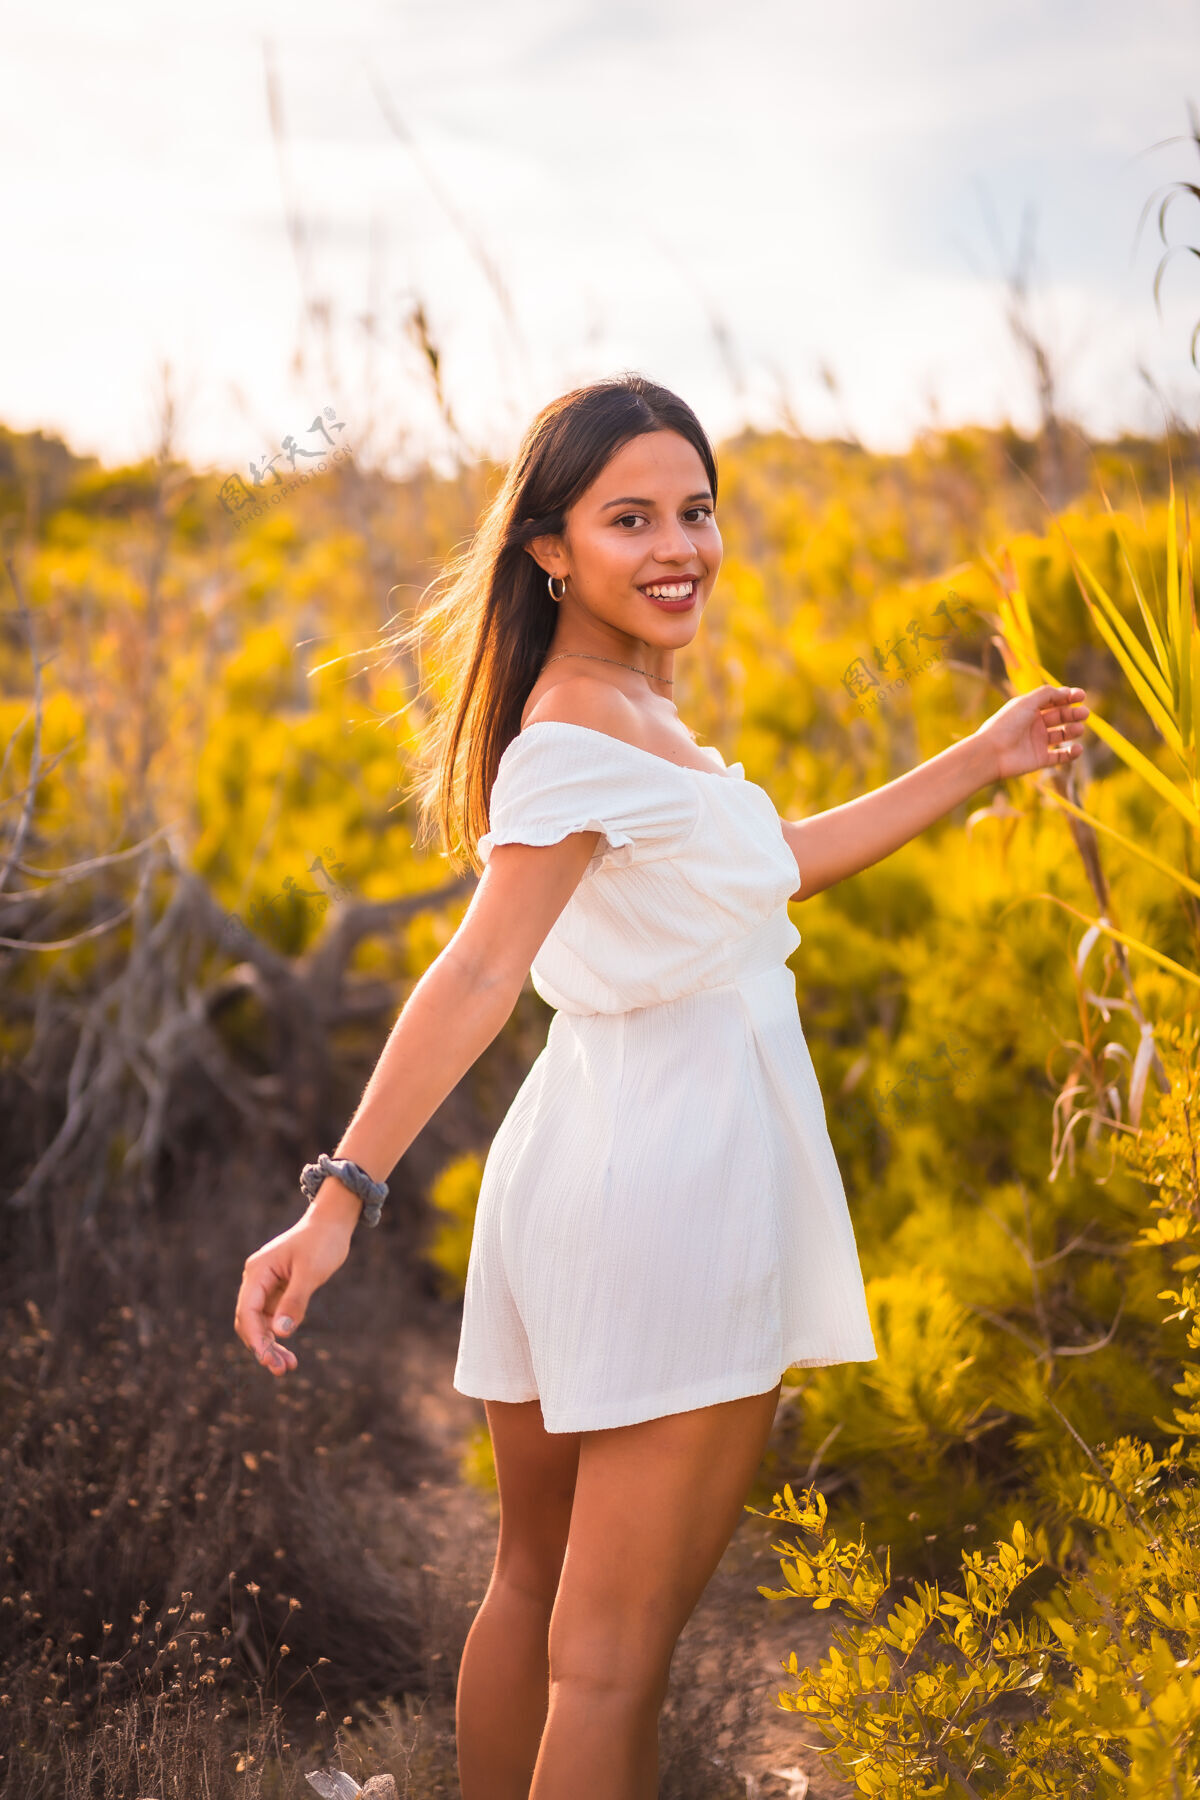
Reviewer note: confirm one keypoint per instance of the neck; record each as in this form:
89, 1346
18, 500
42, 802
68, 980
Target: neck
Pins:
636, 653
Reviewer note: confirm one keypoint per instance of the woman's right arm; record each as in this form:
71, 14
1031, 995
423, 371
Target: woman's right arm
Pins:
456, 1009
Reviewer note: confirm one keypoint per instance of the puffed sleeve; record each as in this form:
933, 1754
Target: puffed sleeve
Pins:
555, 778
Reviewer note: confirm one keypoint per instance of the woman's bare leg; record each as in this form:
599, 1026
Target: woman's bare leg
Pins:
503, 1683
655, 1507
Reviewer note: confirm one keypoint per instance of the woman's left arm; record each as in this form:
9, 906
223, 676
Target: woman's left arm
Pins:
1033, 731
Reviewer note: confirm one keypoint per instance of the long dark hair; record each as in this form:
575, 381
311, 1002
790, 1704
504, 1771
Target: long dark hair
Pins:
491, 613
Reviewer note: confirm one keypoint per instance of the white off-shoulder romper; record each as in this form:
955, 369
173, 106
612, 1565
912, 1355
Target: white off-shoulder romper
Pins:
662, 1222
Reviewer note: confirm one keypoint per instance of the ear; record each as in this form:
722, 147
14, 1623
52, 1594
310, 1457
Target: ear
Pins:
547, 552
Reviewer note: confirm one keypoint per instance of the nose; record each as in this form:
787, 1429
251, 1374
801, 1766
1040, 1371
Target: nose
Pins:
675, 545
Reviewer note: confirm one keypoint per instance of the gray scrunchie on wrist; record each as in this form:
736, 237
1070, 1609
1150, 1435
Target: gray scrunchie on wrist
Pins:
372, 1193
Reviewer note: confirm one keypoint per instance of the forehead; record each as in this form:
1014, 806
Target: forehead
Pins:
658, 463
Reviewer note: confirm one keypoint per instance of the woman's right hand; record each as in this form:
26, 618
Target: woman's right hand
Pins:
279, 1280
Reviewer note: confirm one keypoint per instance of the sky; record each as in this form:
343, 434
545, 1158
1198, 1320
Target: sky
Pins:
789, 213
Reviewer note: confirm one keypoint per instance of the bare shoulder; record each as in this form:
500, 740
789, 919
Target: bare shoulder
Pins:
587, 700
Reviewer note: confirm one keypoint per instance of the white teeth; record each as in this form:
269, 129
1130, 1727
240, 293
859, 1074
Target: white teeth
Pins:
678, 592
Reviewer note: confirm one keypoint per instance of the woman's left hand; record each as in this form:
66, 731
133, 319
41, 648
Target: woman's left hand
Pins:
1036, 731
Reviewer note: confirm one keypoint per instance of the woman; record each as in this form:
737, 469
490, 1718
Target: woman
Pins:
662, 1229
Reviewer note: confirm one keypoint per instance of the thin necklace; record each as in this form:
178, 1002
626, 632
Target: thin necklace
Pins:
667, 679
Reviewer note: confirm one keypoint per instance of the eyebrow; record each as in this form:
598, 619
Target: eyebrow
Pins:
636, 500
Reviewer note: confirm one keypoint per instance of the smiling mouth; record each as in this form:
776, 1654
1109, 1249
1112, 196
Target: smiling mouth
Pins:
671, 593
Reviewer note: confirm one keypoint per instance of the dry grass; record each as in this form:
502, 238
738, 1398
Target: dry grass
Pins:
188, 1603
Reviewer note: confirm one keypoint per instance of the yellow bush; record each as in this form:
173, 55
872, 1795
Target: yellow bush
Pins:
454, 1195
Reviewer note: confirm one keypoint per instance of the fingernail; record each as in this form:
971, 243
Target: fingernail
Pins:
284, 1324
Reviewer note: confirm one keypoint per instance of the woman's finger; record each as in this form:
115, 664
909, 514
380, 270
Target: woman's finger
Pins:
1065, 714
251, 1321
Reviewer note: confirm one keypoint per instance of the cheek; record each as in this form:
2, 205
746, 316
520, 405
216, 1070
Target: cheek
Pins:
619, 554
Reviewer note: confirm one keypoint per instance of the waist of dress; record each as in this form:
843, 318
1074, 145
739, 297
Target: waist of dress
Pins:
755, 965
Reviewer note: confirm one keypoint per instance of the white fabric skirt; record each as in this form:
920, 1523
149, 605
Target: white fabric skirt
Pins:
662, 1223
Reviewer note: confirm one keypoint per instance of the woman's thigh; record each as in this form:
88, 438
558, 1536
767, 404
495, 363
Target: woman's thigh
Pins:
655, 1506
535, 1473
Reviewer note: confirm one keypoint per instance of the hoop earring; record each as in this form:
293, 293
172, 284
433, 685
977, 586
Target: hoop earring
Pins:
550, 584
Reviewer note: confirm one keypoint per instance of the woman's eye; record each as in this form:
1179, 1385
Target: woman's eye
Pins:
625, 517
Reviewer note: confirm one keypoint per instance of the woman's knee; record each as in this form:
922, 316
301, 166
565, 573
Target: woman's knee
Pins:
629, 1689
622, 1652
528, 1573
